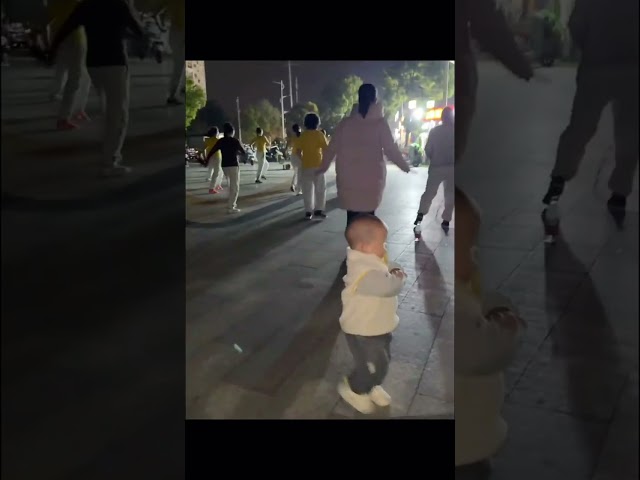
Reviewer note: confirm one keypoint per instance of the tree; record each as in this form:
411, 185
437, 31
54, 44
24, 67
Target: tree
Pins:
195, 99
264, 115
416, 80
337, 100
297, 113
212, 114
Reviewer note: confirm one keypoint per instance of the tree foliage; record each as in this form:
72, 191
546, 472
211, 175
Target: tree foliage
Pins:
416, 80
195, 99
264, 115
212, 114
297, 113
337, 100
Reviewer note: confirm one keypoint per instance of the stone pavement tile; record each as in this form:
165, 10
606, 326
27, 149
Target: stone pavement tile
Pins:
543, 444
401, 383
587, 231
425, 406
497, 264
437, 378
414, 337
561, 258
539, 323
619, 458
577, 385
315, 399
548, 291
231, 402
432, 302
511, 237
206, 368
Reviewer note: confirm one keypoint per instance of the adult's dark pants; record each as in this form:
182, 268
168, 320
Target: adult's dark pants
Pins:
596, 88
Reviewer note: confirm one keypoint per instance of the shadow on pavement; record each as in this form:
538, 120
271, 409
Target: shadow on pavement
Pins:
315, 339
585, 343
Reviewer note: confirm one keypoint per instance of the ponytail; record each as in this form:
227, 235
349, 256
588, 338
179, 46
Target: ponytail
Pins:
363, 107
366, 96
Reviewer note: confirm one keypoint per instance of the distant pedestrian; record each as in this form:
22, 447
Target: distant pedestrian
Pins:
296, 164
440, 150
107, 23
261, 143
607, 35
310, 146
230, 147
359, 145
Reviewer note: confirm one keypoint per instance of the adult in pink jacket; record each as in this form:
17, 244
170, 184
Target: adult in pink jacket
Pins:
359, 146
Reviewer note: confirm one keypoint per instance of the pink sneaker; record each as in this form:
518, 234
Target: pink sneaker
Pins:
64, 124
82, 117
213, 190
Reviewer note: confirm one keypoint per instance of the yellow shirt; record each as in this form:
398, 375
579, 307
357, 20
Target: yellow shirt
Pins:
309, 147
59, 12
261, 143
209, 143
291, 142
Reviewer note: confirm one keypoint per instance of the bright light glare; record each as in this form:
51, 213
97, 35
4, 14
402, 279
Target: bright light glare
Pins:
418, 113
425, 126
431, 103
397, 116
412, 104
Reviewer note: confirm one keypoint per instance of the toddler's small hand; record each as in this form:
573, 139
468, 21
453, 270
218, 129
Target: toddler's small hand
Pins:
506, 318
397, 272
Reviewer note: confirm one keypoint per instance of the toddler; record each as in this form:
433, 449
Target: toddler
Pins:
369, 312
487, 328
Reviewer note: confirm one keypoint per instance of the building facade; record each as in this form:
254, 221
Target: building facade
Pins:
195, 70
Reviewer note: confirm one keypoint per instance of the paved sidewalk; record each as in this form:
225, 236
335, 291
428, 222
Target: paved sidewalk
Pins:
42, 163
263, 301
572, 404
203, 207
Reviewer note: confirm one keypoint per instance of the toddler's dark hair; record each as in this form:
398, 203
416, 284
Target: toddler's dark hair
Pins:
362, 229
213, 132
258, 131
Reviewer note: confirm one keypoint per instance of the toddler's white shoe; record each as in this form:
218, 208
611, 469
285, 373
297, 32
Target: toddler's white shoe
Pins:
362, 403
380, 397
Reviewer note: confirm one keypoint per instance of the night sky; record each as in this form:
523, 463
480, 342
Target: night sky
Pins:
252, 80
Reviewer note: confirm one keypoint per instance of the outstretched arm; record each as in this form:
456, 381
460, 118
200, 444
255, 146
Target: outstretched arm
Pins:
390, 148
489, 27
331, 151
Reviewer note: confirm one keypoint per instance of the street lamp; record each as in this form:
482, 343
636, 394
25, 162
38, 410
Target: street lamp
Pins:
282, 97
418, 113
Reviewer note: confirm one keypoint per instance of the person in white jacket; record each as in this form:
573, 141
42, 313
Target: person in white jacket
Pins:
487, 329
369, 312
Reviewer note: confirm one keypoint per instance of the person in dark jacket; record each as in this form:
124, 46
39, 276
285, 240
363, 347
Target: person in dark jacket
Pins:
482, 21
606, 33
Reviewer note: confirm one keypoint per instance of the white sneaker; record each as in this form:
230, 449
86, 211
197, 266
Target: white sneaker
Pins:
380, 397
362, 403
233, 210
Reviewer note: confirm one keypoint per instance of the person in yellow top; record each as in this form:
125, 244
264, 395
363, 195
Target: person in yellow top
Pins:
309, 146
261, 142
215, 162
296, 184
175, 9
71, 82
